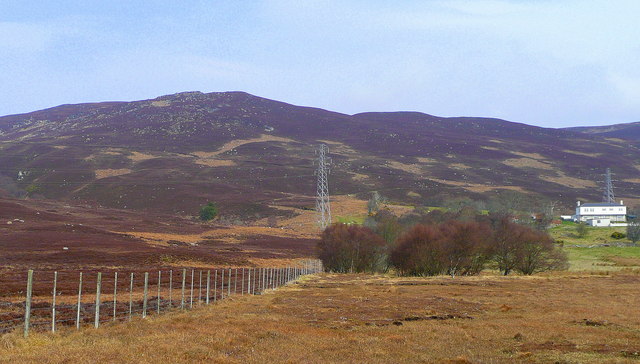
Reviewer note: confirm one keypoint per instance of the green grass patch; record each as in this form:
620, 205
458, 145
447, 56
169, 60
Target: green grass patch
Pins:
603, 258
351, 219
595, 235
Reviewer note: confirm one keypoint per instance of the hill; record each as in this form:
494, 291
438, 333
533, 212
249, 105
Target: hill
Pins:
52, 235
254, 156
628, 131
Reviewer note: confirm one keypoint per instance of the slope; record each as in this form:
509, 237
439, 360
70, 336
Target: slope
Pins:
254, 156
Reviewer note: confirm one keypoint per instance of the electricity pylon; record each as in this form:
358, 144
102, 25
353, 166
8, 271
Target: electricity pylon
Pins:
323, 206
608, 196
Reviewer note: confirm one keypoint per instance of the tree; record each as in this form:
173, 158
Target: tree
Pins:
536, 253
464, 247
454, 248
633, 232
387, 225
208, 211
525, 250
352, 248
581, 230
373, 205
504, 244
419, 252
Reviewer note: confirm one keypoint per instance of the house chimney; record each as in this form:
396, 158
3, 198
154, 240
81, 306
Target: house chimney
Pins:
578, 203
621, 202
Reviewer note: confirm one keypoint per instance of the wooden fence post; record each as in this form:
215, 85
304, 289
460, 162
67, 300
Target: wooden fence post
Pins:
255, 280
27, 303
248, 280
79, 302
98, 289
159, 285
131, 297
200, 288
191, 295
222, 286
115, 294
53, 302
144, 299
170, 287
215, 285
184, 281
242, 283
229, 284
208, 285
235, 284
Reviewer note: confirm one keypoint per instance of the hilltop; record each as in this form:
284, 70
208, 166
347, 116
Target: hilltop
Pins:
254, 156
628, 131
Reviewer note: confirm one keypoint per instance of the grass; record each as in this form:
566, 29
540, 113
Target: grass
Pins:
352, 219
595, 235
376, 319
603, 258
591, 252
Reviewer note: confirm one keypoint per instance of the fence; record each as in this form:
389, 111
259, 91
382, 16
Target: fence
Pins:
73, 298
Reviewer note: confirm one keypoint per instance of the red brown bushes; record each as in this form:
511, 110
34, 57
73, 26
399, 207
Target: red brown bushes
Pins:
453, 248
466, 248
352, 248
419, 252
528, 251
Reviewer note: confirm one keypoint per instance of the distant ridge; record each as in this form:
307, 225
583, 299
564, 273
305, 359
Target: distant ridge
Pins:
254, 156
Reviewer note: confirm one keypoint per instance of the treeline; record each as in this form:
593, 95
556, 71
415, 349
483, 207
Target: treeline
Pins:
434, 243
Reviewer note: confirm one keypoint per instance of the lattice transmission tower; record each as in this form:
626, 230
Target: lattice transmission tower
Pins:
323, 206
608, 196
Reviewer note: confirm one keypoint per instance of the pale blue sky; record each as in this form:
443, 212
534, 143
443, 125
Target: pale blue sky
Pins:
543, 62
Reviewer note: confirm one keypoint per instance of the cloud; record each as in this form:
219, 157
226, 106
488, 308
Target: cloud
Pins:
544, 62
25, 37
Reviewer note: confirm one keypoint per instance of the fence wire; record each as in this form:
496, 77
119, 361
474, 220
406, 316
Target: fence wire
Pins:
48, 300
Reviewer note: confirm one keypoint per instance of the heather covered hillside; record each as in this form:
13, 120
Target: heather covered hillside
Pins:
254, 156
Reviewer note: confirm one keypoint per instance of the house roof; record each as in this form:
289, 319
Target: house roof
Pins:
601, 204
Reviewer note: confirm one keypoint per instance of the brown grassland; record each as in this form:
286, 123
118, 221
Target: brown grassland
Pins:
561, 318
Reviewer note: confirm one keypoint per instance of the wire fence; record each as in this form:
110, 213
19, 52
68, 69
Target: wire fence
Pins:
50, 299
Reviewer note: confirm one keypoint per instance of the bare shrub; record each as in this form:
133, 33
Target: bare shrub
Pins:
453, 248
352, 248
465, 247
386, 224
419, 252
633, 231
519, 248
538, 254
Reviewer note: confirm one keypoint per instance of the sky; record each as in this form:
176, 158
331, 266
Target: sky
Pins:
551, 63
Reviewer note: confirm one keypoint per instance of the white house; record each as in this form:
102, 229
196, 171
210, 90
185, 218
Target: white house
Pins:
601, 214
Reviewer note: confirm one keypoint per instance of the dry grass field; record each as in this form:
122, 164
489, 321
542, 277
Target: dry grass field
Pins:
559, 318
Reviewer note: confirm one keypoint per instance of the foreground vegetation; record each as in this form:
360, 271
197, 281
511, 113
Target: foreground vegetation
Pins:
565, 318
453, 247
